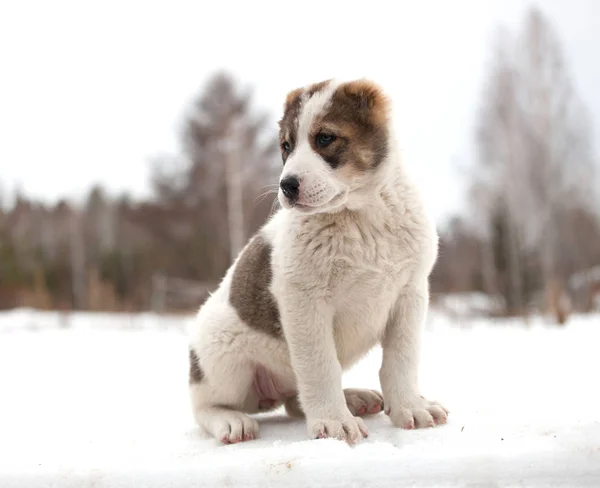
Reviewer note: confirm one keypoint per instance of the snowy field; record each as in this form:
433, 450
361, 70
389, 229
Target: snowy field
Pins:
101, 400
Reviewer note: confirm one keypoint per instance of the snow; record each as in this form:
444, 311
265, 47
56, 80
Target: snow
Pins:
104, 403
472, 304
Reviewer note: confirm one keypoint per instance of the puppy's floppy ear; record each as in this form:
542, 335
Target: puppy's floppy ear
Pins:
292, 102
292, 97
368, 100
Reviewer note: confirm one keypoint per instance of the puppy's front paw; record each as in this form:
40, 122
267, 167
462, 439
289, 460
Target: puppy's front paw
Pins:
363, 402
350, 429
418, 412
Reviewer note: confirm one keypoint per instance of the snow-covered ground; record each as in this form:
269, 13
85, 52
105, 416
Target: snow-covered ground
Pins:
104, 403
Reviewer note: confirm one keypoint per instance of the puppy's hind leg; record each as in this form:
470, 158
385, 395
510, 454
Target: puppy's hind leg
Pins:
228, 426
217, 405
293, 407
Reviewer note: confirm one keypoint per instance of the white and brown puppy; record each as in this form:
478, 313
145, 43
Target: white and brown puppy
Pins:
342, 267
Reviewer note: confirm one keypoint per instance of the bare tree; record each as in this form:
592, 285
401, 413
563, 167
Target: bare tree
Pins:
535, 160
558, 148
497, 188
100, 221
211, 191
78, 261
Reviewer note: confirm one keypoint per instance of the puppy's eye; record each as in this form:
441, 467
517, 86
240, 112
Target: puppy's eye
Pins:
286, 147
323, 140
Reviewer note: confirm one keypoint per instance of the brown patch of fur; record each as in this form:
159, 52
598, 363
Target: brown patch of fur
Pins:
288, 125
292, 98
358, 117
196, 373
310, 90
249, 293
371, 103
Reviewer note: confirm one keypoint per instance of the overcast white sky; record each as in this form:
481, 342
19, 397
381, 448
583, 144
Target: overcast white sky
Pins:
90, 91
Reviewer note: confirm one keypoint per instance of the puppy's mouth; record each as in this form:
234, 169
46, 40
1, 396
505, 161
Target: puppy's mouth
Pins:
336, 201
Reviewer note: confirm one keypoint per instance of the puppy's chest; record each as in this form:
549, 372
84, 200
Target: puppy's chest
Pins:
356, 261
363, 301
355, 279
366, 293
360, 273
346, 261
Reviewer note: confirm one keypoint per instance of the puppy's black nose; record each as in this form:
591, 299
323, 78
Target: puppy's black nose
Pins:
290, 187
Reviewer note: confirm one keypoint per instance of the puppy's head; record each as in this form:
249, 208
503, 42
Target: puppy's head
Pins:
334, 139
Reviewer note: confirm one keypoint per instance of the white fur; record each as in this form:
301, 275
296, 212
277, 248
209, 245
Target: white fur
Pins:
340, 292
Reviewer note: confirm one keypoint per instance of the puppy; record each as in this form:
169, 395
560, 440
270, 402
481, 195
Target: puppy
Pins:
341, 267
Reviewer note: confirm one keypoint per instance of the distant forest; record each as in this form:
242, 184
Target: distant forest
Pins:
532, 225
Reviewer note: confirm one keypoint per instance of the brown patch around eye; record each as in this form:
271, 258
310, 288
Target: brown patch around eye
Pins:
358, 116
288, 125
333, 151
286, 149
